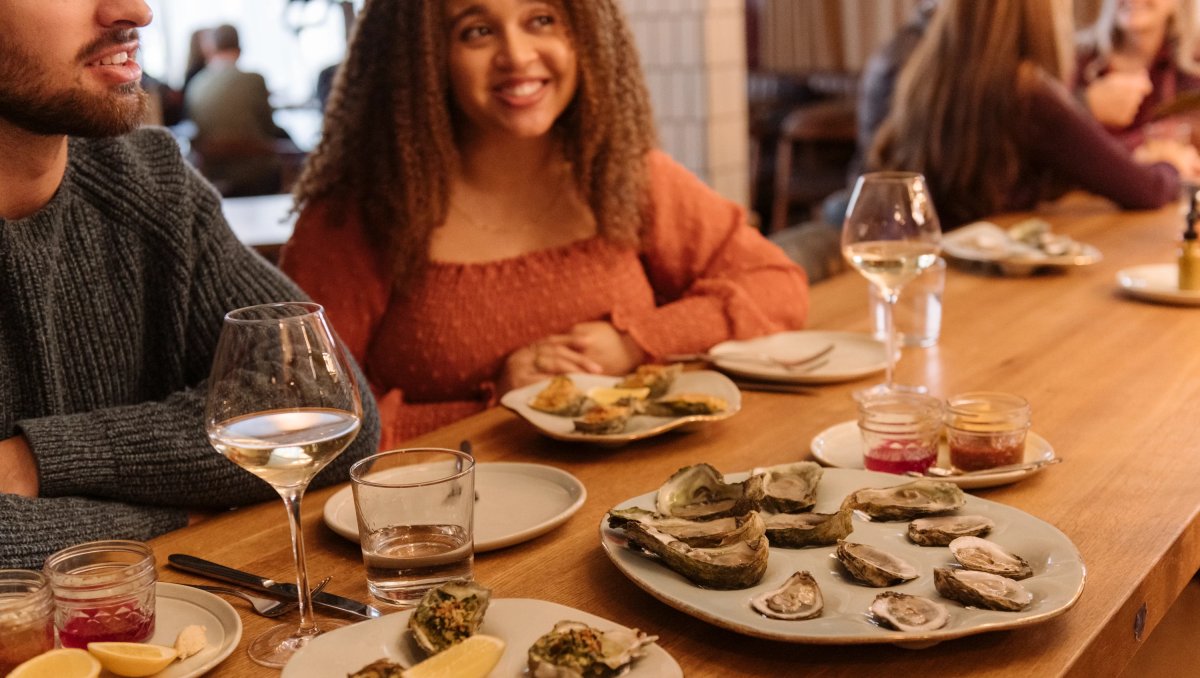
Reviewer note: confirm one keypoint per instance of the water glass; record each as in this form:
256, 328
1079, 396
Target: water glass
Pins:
103, 592
26, 617
900, 431
918, 311
416, 510
986, 429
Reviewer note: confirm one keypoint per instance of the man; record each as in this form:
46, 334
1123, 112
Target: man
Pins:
116, 268
235, 133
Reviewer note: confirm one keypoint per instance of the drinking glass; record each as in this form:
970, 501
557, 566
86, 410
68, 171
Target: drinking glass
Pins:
891, 234
282, 403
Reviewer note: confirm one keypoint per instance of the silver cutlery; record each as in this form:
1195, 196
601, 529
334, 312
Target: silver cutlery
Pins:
266, 607
939, 472
789, 364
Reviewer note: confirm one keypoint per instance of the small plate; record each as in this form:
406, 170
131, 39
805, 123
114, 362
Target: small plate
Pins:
640, 426
517, 502
986, 242
517, 621
177, 606
840, 446
1156, 282
855, 355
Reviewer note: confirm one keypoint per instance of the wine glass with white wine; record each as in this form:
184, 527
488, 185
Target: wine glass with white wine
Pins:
891, 234
282, 403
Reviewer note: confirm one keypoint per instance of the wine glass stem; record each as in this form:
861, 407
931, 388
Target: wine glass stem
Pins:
291, 501
889, 322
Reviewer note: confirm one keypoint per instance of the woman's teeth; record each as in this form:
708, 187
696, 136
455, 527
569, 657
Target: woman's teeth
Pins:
524, 89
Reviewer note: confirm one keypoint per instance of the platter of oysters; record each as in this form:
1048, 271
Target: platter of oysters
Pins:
807, 554
1025, 248
617, 410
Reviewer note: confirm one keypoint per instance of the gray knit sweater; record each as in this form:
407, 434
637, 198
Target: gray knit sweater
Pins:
111, 300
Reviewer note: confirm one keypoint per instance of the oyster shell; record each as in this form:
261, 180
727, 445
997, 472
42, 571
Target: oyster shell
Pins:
657, 378
700, 492
982, 555
981, 589
907, 613
791, 488
734, 566
798, 598
905, 502
561, 396
941, 530
604, 419
872, 566
448, 614
795, 530
575, 650
685, 405
704, 534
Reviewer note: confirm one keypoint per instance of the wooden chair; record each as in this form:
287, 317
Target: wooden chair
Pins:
815, 147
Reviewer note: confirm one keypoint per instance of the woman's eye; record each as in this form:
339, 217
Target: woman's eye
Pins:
473, 32
544, 20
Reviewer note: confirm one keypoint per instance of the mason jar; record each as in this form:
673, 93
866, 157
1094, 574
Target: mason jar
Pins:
103, 592
26, 617
985, 429
900, 432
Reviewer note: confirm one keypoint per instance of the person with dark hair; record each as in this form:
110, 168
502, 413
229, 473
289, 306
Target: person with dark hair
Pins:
116, 269
489, 174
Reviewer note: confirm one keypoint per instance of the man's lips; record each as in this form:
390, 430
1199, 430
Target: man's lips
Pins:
115, 55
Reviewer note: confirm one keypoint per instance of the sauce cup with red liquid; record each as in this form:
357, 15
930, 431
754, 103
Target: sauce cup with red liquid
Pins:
900, 432
985, 429
26, 617
103, 592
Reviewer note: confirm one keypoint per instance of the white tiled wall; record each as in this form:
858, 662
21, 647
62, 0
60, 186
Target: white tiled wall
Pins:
694, 56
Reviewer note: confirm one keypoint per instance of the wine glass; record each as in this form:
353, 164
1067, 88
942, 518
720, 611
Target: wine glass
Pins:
891, 234
282, 403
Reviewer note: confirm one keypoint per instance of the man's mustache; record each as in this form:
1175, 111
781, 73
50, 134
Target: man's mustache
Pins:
115, 36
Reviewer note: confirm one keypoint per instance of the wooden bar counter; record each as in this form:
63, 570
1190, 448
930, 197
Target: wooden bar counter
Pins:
1115, 387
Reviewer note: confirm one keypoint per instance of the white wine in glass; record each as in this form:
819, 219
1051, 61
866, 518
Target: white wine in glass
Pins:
282, 403
891, 234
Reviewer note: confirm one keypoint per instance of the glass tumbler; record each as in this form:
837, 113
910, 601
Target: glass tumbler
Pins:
26, 617
900, 431
103, 591
985, 429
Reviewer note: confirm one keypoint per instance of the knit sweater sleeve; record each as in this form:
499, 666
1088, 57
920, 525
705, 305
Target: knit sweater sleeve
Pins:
715, 278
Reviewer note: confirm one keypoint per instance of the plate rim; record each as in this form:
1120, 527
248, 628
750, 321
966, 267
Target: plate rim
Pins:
220, 609
1127, 278
951, 247
811, 377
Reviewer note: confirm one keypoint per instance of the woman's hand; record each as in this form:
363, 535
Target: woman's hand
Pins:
614, 351
543, 359
1182, 156
1114, 99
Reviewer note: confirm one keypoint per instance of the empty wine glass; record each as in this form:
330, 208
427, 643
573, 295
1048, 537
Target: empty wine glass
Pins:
891, 234
282, 403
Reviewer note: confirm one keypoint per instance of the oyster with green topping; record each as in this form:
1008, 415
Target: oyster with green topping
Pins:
561, 397
575, 650
448, 614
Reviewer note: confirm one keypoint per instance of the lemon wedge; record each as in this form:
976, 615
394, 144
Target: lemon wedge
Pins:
133, 660
475, 657
604, 395
64, 663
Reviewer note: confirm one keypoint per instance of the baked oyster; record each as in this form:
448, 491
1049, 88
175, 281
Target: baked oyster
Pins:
575, 650
791, 488
905, 502
797, 530
381, 668
908, 613
700, 492
872, 566
604, 419
981, 589
699, 533
657, 378
686, 405
798, 598
974, 553
448, 614
733, 566
561, 397
941, 530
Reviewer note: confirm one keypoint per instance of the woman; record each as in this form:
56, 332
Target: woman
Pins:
1139, 55
487, 208
981, 110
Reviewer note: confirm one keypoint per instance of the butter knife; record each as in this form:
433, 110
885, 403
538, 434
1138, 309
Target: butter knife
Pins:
207, 568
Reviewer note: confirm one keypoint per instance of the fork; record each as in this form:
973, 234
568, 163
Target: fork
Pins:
267, 607
788, 364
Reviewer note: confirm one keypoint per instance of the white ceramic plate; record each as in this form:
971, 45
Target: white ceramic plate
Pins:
1056, 584
177, 606
640, 426
840, 446
517, 621
986, 242
1156, 282
854, 355
517, 502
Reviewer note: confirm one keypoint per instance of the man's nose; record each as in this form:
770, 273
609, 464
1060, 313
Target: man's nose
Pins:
123, 13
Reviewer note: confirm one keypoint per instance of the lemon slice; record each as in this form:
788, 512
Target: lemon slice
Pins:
64, 663
604, 395
133, 659
475, 657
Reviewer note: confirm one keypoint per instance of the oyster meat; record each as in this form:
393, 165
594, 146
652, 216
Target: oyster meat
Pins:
448, 614
734, 566
907, 613
941, 530
685, 405
575, 650
798, 598
561, 396
905, 502
873, 566
974, 553
604, 419
657, 378
701, 533
791, 488
700, 492
796, 530
981, 589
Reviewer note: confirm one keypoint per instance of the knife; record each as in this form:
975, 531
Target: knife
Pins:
255, 582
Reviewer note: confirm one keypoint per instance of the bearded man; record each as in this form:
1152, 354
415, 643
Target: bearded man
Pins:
116, 269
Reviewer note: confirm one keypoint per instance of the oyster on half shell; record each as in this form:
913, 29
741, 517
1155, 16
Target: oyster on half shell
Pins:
798, 598
790, 488
905, 502
448, 614
872, 566
575, 650
734, 566
981, 589
700, 492
941, 530
908, 613
699, 533
796, 530
982, 555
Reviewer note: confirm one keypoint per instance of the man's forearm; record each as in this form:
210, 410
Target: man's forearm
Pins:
18, 468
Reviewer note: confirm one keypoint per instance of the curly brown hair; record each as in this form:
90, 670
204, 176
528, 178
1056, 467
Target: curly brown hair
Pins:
389, 139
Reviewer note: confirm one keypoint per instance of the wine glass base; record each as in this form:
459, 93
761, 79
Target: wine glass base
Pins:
277, 644
884, 389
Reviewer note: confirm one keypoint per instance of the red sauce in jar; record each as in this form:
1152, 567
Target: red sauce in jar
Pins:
973, 453
900, 456
116, 624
